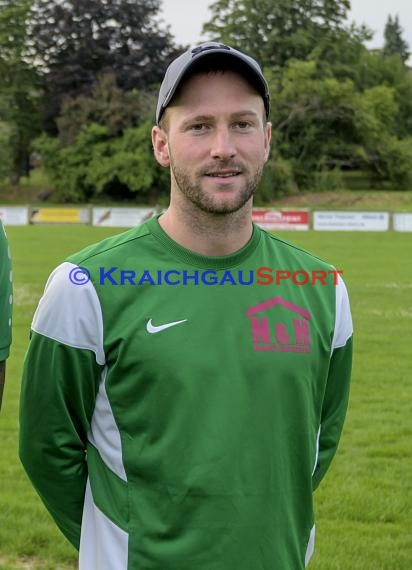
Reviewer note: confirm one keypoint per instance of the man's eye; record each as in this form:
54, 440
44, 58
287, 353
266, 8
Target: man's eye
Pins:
198, 127
242, 125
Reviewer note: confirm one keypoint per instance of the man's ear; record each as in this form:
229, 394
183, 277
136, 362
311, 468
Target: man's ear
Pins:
160, 146
268, 136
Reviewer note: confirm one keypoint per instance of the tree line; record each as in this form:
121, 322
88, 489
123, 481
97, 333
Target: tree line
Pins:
79, 81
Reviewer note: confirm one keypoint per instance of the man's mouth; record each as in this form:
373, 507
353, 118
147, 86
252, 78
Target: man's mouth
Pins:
223, 173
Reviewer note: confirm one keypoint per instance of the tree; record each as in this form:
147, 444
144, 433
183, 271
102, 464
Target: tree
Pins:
338, 51
375, 69
19, 86
75, 41
313, 120
97, 163
387, 156
107, 105
322, 125
5, 149
274, 31
394, 42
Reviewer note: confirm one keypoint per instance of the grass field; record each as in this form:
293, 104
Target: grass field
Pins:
364, 506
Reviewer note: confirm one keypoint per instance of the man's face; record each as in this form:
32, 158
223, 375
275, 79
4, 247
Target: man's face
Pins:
216, 143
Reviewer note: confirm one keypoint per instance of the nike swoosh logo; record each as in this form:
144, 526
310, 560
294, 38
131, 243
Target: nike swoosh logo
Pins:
152, 329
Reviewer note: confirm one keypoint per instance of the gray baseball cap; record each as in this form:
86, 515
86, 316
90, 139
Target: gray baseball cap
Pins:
220, 54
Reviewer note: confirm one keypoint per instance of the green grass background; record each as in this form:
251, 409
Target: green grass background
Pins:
364, 505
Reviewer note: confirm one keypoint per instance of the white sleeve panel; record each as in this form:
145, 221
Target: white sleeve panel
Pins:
343, 319
70, 314
104, 433
103, 545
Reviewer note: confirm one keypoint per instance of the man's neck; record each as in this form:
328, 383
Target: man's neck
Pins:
208, 234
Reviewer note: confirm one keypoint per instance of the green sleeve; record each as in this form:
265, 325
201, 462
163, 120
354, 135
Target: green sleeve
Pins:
59, 389
334, 408
5, 296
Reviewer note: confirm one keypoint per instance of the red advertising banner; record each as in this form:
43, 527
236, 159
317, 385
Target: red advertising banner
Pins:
281, 219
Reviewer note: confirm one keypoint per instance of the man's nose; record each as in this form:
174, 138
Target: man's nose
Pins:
223, 144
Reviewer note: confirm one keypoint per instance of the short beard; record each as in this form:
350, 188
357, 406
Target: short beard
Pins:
206, 203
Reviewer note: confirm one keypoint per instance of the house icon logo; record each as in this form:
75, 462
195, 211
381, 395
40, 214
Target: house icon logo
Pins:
272, 335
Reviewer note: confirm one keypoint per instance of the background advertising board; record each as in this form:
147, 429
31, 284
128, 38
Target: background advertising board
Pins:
281, 219
14, 215
60, 216
121, 217
351, 221
402, 222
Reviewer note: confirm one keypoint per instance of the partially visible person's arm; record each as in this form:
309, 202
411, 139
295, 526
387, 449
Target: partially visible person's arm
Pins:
336, 397
5, 306
61, 375
2, 379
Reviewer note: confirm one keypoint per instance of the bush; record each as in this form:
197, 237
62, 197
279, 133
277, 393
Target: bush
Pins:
325, 180
98, 163
277, 180
396, 162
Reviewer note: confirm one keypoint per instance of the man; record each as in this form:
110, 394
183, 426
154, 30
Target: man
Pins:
177, 414
6, 300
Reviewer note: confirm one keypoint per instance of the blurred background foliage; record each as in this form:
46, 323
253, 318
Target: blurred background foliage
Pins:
79, 80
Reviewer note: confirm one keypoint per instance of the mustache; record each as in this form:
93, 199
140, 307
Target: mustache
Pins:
222, 166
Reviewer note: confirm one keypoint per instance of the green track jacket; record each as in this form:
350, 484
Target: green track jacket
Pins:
178, 410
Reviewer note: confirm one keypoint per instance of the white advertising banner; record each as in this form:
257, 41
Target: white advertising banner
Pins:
14, 215
402, 222
121, 217
351, 221
281, 219
60, 215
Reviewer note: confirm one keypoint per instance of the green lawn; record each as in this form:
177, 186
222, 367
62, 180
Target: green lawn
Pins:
364, 506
